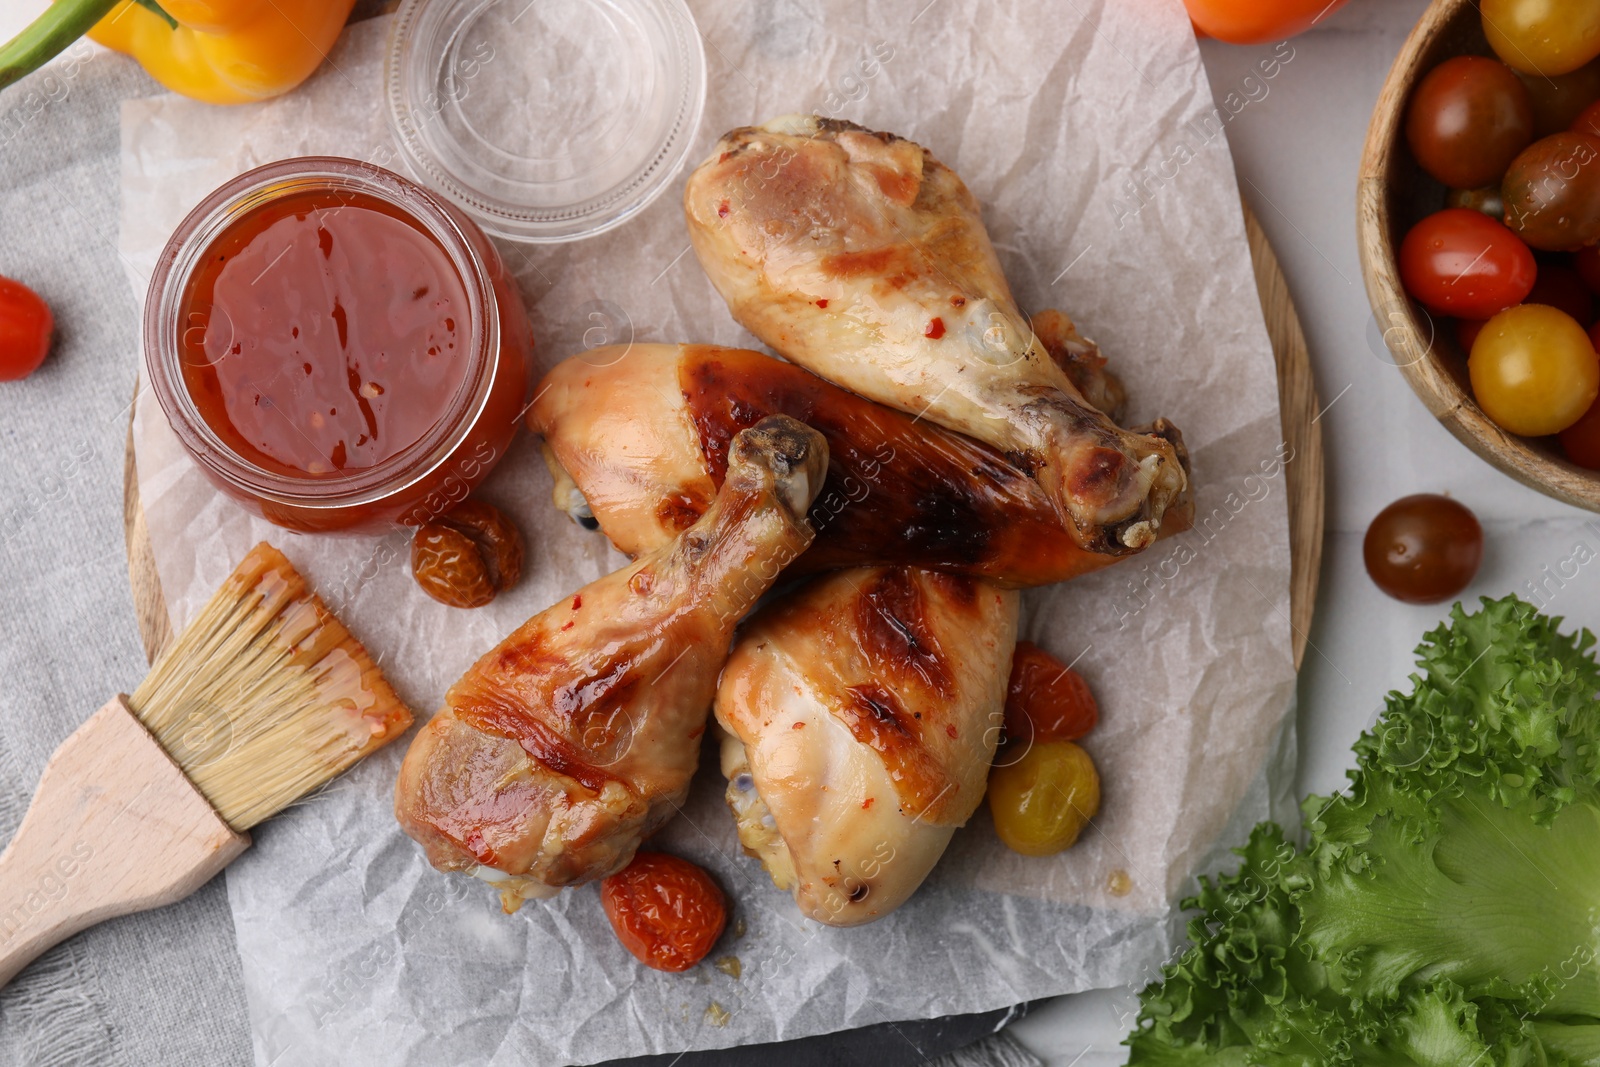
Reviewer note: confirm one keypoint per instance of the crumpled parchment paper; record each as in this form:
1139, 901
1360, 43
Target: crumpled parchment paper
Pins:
1086, 131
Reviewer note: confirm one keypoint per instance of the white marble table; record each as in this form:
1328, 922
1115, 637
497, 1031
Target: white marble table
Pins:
1297, 150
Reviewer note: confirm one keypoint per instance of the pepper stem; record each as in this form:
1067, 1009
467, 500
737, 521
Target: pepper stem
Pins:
48, 35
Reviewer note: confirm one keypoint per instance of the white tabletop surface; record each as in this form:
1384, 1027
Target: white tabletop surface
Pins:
1297, 149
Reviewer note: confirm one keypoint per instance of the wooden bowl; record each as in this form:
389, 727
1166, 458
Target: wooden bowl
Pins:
1394, 195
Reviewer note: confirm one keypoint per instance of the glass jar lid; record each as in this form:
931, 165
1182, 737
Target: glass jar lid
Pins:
546, 120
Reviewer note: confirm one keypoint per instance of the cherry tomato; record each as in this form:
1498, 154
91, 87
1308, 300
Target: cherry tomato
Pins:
1560, 287
25, 328
1257, 21
1458, 262
1423, 549
1558, 101
1042, 801
1533, 370
665, 910
1047, 700
1581, 440
1589, 121
1467, 331
1546, 37
1552, 192
1486, 201
1468, 119
1587, 263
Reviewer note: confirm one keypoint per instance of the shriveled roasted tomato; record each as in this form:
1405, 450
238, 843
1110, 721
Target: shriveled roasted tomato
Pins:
1424, 548
1559, 101
1042, 802
1560, 287
1552, 192
1258, 21
468, 555
1468, 119
1546, 37
1581, 440
665, 910
25, 328
1047, 700
1458, 262
1534, 370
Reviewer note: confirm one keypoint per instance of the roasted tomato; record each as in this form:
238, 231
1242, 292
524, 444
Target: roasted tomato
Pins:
25, 328
1552, 192
465, 557
1258, 21
1424, 548
665, 910
1468, 119
1042, 801
1547, 37
1581, 440
1459, 262
1534, 370
1047, 700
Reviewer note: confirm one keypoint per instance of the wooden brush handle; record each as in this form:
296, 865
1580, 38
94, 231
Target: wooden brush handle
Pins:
115, 827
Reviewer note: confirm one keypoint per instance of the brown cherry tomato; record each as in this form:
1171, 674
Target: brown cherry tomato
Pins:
1046, 700
1459, 262
1552, 192
665, 910
465, 557
1561, 287
1423, 549
25, 328
1558, 101
1468, 119
1581, 440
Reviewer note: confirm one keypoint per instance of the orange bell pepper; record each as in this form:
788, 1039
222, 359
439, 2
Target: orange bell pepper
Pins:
219, 51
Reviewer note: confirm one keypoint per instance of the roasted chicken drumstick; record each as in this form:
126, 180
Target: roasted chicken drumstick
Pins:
637, 438
563, 747
860, 716
861, 257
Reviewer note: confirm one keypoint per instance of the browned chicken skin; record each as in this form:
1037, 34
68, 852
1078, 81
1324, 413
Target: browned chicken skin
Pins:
861, 257
861, 715
568, 743
638, 439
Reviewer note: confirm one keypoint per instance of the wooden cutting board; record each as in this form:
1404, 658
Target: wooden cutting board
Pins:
1298, 410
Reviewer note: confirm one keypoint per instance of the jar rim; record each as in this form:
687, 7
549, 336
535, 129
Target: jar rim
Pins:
165, 301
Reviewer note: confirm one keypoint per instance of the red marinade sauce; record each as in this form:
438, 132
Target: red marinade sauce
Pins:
325, 332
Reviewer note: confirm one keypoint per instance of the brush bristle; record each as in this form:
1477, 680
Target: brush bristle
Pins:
265, 695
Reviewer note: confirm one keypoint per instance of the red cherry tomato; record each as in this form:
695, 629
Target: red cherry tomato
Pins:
1468, 119
1561, 288
1459, 262
1258, 21
25, 328
1423, 549
1047, 700
665, 910
1587, 263
1581, 440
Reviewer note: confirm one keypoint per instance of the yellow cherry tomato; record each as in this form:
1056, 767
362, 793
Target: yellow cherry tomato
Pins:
1546, 37
1533, 370
1042, 802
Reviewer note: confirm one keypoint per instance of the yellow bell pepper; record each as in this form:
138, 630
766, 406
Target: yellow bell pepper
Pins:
219, 51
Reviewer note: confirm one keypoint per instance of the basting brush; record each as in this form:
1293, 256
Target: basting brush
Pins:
264, 697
